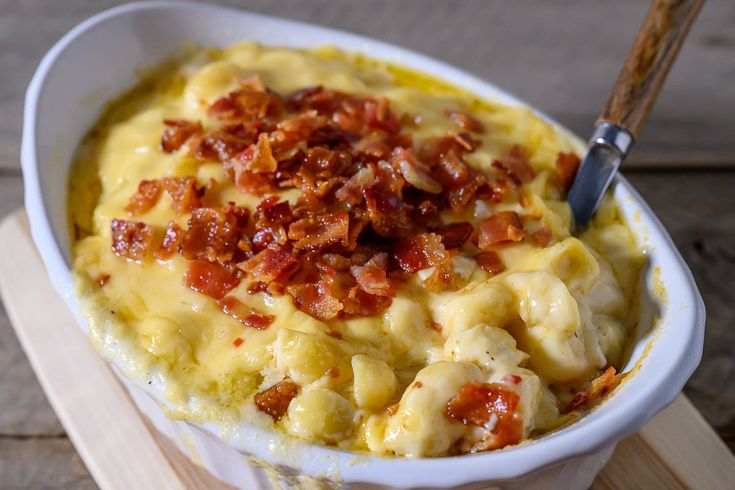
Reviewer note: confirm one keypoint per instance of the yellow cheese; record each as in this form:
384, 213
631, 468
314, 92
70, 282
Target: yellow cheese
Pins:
556, 315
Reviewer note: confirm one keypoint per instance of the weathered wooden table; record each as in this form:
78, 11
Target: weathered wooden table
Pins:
560, 57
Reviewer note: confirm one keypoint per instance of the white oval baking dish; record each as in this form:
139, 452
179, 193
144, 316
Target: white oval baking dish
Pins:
98, 59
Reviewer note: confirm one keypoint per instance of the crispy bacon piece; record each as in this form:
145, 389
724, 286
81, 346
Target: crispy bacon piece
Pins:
567, 165
421, 252
238, 342
361, 303
275, 400
258, 158
501, 227
491, 406
515, 166
599, 387
171, 239
271, 219
245, 314
465, 121
176, 133
247, 104
542, 236
131, 239
455, 235
270, 264
209, 278
184, 193
224, 143
351, 190
316, 233
303, 125
213, 234
415, 172
389, 216
102, 279
373, 280
145, 198
316, 300
490, 261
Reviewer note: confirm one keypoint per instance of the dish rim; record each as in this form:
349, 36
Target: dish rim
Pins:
571, 442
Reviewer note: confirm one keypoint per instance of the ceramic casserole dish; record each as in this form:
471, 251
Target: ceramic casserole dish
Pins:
99, 59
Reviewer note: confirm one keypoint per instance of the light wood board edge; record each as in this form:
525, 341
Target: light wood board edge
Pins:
677, 449
116, 442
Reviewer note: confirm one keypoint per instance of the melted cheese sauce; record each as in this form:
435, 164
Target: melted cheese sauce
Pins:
555, 317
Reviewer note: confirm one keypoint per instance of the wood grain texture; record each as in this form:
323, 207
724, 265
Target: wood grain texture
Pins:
561, 57
648, 63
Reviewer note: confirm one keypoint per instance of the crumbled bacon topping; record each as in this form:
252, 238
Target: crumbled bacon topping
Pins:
131, 239
465, 121
491, 406
171, 240
542, 236
567, 165
245, 314
501, 227
176, 133
145, 198
599, 387
373, 208
275, 400
515, 165
210, 278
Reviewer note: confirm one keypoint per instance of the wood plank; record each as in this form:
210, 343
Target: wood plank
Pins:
118, 459
560, 57
37, 463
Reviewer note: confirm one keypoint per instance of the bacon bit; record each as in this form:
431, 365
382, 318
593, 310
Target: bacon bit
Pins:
388, 214
316, 300
418, 384
176, 133
275, 400
515, 166
245, 314
361, 303
488, 405
238, 342
465, 121
184, 193
335, 334
436, 326
451, 170
501, 227
513, 379
351, 190
490, 261
260, 156
392, 409
145, 198
567, 165
303, 125
415, 172
599, 387
253, 82
131, 239
325, 230
224, 143
542, 236
171, 240
102, 279
209, 278
246, 105
270, 264
373, 280
455, 235
333, 372
421, 252
213, 234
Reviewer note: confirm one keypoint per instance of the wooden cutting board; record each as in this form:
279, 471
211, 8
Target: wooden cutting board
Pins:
677, 449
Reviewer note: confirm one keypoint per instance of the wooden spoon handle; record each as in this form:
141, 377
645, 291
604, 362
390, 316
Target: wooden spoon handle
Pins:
649, 60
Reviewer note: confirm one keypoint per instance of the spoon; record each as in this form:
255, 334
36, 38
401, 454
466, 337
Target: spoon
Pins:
663, 31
